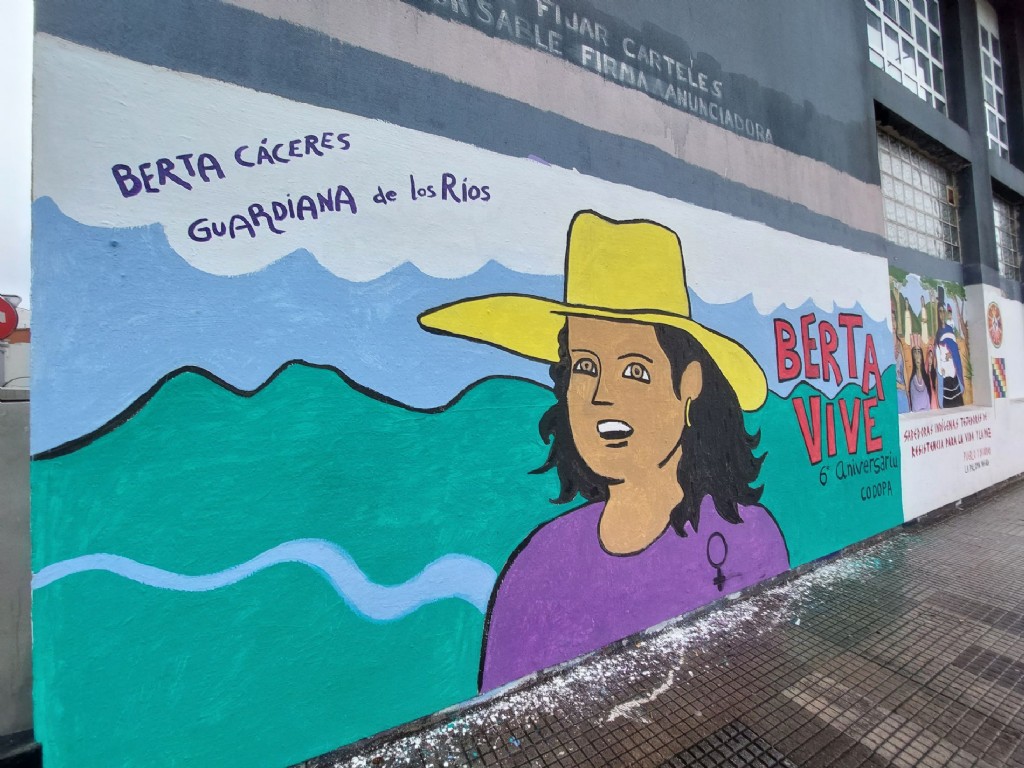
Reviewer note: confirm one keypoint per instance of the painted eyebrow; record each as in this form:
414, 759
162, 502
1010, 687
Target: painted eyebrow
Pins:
589, 352
636, 354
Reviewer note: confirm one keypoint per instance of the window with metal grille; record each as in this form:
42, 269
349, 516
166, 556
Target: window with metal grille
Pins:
1007, 216
992, 79
920, 199
905, 40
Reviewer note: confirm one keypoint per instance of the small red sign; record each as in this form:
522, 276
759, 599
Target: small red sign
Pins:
8, 318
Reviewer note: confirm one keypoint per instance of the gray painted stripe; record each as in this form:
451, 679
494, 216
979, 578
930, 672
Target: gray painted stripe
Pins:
920, 263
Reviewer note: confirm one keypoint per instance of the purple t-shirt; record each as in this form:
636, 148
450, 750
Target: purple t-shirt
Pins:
563, 595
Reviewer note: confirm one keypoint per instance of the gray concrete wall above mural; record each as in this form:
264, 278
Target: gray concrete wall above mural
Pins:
686, 53
684, 123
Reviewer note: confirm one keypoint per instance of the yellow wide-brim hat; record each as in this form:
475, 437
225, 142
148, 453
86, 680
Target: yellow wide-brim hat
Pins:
620, 270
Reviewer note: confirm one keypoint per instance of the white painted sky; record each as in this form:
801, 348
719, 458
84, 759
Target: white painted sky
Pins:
110, 102
16, 140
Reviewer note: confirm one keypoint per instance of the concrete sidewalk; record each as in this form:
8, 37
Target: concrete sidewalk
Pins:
908, 652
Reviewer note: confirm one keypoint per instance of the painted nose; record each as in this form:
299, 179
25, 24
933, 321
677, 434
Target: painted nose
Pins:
601, 394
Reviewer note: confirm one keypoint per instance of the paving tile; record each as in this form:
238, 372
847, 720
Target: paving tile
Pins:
910, 654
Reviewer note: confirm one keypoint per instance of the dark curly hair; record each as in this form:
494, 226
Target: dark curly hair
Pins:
717, 451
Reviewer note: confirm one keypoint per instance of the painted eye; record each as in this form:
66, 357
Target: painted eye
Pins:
638, 372
586, 366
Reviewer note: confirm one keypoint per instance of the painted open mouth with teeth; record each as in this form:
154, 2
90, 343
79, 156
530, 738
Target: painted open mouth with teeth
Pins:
611, 429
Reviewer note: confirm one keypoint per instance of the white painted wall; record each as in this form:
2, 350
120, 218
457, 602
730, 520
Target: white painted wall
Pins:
16, 366
14, 358
947, 455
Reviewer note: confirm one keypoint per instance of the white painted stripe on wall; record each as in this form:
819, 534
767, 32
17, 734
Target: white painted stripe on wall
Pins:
109, 100
466, 55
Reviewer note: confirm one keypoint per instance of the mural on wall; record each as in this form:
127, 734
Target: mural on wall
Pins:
355, 363
647, 425
931, 345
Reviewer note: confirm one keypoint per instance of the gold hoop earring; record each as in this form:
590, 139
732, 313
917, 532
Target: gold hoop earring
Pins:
687, 413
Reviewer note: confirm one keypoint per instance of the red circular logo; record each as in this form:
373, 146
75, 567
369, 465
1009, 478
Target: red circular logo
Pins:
8, 318
995, 324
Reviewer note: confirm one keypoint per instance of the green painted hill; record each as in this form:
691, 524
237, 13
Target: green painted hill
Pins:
276, 668
202, 479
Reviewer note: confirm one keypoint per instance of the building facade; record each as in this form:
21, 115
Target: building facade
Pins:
445, 341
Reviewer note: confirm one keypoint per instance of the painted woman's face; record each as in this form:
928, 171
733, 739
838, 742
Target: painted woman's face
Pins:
625, 416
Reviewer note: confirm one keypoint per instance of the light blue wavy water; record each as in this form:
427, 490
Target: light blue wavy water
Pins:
450, 576
240, 328
336, 322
